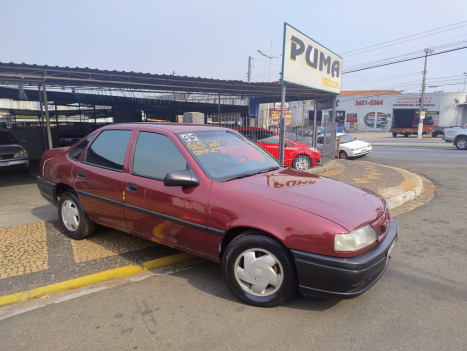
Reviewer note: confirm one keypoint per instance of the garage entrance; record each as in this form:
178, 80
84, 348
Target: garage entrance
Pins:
403, 117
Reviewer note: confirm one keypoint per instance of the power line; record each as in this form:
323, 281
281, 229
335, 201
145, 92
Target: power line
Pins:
409, 59
275, 64
421, 45
413, 35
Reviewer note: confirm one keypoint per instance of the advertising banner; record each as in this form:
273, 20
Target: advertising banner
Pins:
275, 116
307, 63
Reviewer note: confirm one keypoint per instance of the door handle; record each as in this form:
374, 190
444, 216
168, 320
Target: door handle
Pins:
81, 175
131, 187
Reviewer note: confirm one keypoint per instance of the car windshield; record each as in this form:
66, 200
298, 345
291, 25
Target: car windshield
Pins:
7, 138
225, 155
345, 138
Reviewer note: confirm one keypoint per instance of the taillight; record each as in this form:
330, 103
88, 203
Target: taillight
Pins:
444, 133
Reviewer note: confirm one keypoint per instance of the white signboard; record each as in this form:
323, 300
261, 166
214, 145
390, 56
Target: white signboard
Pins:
309, 64
422, 115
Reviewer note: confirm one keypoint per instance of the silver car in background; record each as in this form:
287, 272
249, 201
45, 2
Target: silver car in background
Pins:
12, 154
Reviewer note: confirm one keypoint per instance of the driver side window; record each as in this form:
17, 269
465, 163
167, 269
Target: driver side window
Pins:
156, 155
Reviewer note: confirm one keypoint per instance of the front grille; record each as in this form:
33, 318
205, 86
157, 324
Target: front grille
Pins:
6, 156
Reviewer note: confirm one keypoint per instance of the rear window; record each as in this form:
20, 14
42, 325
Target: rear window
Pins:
75, 154
108, 149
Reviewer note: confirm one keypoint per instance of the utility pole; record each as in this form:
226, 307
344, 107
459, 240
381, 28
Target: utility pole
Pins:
465, 76
420, 119
249, 69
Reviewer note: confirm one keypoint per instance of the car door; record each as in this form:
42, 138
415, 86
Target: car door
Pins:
269, 141
99, 176
176, 214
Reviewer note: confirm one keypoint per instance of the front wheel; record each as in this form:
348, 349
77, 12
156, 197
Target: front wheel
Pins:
343, 155
75, 221
259, 271
461, 143
301, 162
394, 135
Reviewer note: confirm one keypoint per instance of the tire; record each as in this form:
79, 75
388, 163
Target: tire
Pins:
277, 267
461, 143
302, 162
394, 135
343, 155
406, 135
434, 135
76, 222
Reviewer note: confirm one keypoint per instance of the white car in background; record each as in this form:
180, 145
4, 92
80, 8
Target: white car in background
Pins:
351, 147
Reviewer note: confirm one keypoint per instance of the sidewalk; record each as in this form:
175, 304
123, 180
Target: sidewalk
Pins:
36, 259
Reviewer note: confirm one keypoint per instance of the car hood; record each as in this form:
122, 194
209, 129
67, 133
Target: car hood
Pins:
10, 149
349, 206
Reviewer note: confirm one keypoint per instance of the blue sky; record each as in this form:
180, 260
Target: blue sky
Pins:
207, 38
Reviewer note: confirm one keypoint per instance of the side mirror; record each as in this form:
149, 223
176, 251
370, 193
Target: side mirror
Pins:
355, 138
183, 178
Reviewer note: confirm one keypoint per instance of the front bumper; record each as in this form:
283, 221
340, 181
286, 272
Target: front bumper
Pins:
14, 164
343, 278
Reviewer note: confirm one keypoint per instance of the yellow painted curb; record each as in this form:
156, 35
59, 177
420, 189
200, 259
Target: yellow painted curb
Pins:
165, 261
93, 278
69, 284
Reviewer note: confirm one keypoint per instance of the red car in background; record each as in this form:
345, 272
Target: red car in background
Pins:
296, 154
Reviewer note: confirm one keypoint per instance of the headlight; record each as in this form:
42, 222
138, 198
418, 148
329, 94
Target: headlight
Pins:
21, 153
355, 240
313, 149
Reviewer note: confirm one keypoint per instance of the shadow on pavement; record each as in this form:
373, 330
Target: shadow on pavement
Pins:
208, 278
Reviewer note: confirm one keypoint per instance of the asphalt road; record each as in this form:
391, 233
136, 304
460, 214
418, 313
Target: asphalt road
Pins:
424, 155
419, 304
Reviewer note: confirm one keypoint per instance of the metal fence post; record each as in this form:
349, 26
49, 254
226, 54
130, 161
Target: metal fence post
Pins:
282, 126
315, 127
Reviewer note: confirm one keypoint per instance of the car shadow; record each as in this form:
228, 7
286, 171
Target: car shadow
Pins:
45, 212
208, 278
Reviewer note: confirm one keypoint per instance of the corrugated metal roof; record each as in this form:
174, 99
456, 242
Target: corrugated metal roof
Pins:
12, 73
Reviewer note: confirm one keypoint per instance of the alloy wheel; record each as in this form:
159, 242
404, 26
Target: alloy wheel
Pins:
302, 163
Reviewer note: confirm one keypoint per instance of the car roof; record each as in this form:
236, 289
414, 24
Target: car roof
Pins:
174, 127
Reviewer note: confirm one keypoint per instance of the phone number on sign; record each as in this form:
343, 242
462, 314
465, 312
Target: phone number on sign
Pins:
368, 102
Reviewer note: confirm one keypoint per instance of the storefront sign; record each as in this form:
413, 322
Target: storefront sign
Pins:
309, 64
413, 102
351, 117
368, 102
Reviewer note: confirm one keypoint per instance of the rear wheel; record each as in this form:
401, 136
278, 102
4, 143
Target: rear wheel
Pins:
394, 135
259, 271
461, 143
343, 155
301, 162
75, 221
406, 135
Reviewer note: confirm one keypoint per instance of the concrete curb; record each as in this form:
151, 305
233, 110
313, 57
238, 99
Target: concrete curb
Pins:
410, 189
321, 169
93, 279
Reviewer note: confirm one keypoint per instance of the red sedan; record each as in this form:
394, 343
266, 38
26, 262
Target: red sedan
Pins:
296, 154
214, 193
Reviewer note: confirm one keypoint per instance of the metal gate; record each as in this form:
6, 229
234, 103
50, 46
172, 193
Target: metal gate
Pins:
328, 152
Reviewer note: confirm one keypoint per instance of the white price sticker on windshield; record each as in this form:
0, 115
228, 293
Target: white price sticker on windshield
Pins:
189, 137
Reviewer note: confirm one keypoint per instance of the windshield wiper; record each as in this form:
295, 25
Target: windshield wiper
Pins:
238, 176
268, 170
244, 175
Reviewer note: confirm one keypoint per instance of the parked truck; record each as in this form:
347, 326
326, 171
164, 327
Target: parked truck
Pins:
458, 136
408, 127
